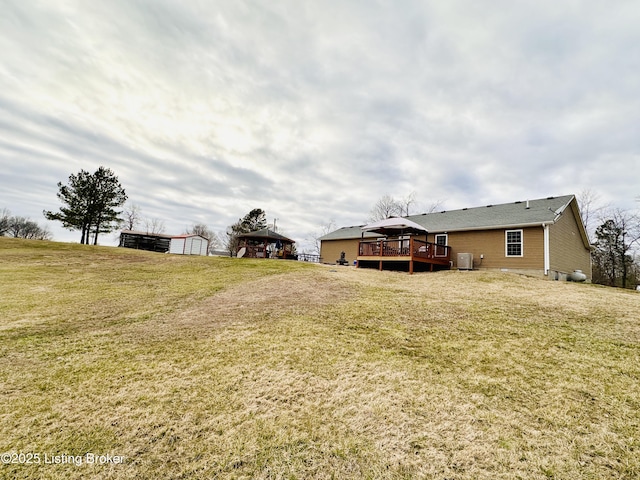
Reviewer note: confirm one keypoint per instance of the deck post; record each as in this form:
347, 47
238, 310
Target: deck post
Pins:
411, 255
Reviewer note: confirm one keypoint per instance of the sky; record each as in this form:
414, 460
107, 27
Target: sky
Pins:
313, 110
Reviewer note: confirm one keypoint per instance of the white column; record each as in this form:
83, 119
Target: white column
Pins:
546, 249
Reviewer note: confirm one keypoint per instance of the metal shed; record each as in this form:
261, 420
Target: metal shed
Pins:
189, 245
153, 242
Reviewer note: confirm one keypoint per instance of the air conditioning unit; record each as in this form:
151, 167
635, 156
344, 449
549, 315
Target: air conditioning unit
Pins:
465, 261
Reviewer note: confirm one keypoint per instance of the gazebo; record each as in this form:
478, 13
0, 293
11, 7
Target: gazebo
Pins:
265, 243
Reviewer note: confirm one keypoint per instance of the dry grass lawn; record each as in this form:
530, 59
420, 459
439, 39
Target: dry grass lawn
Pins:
233, 368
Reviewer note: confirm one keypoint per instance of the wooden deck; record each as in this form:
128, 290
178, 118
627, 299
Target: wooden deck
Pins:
408, 250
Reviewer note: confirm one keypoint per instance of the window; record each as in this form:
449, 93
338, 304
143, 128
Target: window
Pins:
514, 243
441, 241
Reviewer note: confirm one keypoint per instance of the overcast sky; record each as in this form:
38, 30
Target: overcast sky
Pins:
312, 110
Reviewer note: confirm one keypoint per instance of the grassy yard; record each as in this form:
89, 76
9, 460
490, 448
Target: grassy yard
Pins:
167, 366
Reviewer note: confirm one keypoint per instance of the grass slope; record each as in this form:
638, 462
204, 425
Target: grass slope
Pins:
232, 368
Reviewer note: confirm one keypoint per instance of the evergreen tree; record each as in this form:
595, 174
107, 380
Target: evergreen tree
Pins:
255, 220
90, 203
613, 256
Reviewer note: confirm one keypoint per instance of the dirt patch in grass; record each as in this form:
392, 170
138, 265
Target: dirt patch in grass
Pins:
262, 300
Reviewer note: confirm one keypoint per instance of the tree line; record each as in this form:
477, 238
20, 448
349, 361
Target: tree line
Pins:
614, 235
21, 227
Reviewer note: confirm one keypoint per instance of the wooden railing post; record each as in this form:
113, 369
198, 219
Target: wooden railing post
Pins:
410, 255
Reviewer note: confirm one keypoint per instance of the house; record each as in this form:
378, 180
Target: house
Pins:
544, 237
345, 239
189, 244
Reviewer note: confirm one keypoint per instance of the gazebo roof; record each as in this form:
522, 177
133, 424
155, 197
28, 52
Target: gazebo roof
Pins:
395, 226
266, 234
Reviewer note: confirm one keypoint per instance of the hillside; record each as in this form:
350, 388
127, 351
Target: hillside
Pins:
201, 367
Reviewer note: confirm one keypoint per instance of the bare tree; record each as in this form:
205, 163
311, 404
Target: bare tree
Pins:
22, 227
200, 229
132, 217
154, 225
204, 231
5, 221
588, 203
325, 228
432, 207
405, 203
385, 207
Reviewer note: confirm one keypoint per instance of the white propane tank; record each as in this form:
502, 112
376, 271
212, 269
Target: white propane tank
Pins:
577, 276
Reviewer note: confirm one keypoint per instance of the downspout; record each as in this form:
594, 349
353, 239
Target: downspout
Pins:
546, 249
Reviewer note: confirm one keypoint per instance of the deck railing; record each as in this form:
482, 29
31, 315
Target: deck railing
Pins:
259, 251
309, 257
254, 251
407, 247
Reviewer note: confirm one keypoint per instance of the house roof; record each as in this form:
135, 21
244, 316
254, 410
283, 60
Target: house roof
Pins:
266, 234
395, 225
506, 215
346, 233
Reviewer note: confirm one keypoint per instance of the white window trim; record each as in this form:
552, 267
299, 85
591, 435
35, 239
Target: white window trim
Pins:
445, 235
446, 243
506, 245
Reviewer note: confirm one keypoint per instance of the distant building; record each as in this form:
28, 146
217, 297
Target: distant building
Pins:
153, 242
189, 245
156, 242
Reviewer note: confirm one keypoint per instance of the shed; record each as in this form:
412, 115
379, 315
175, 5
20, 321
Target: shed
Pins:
189, 245
154, 242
